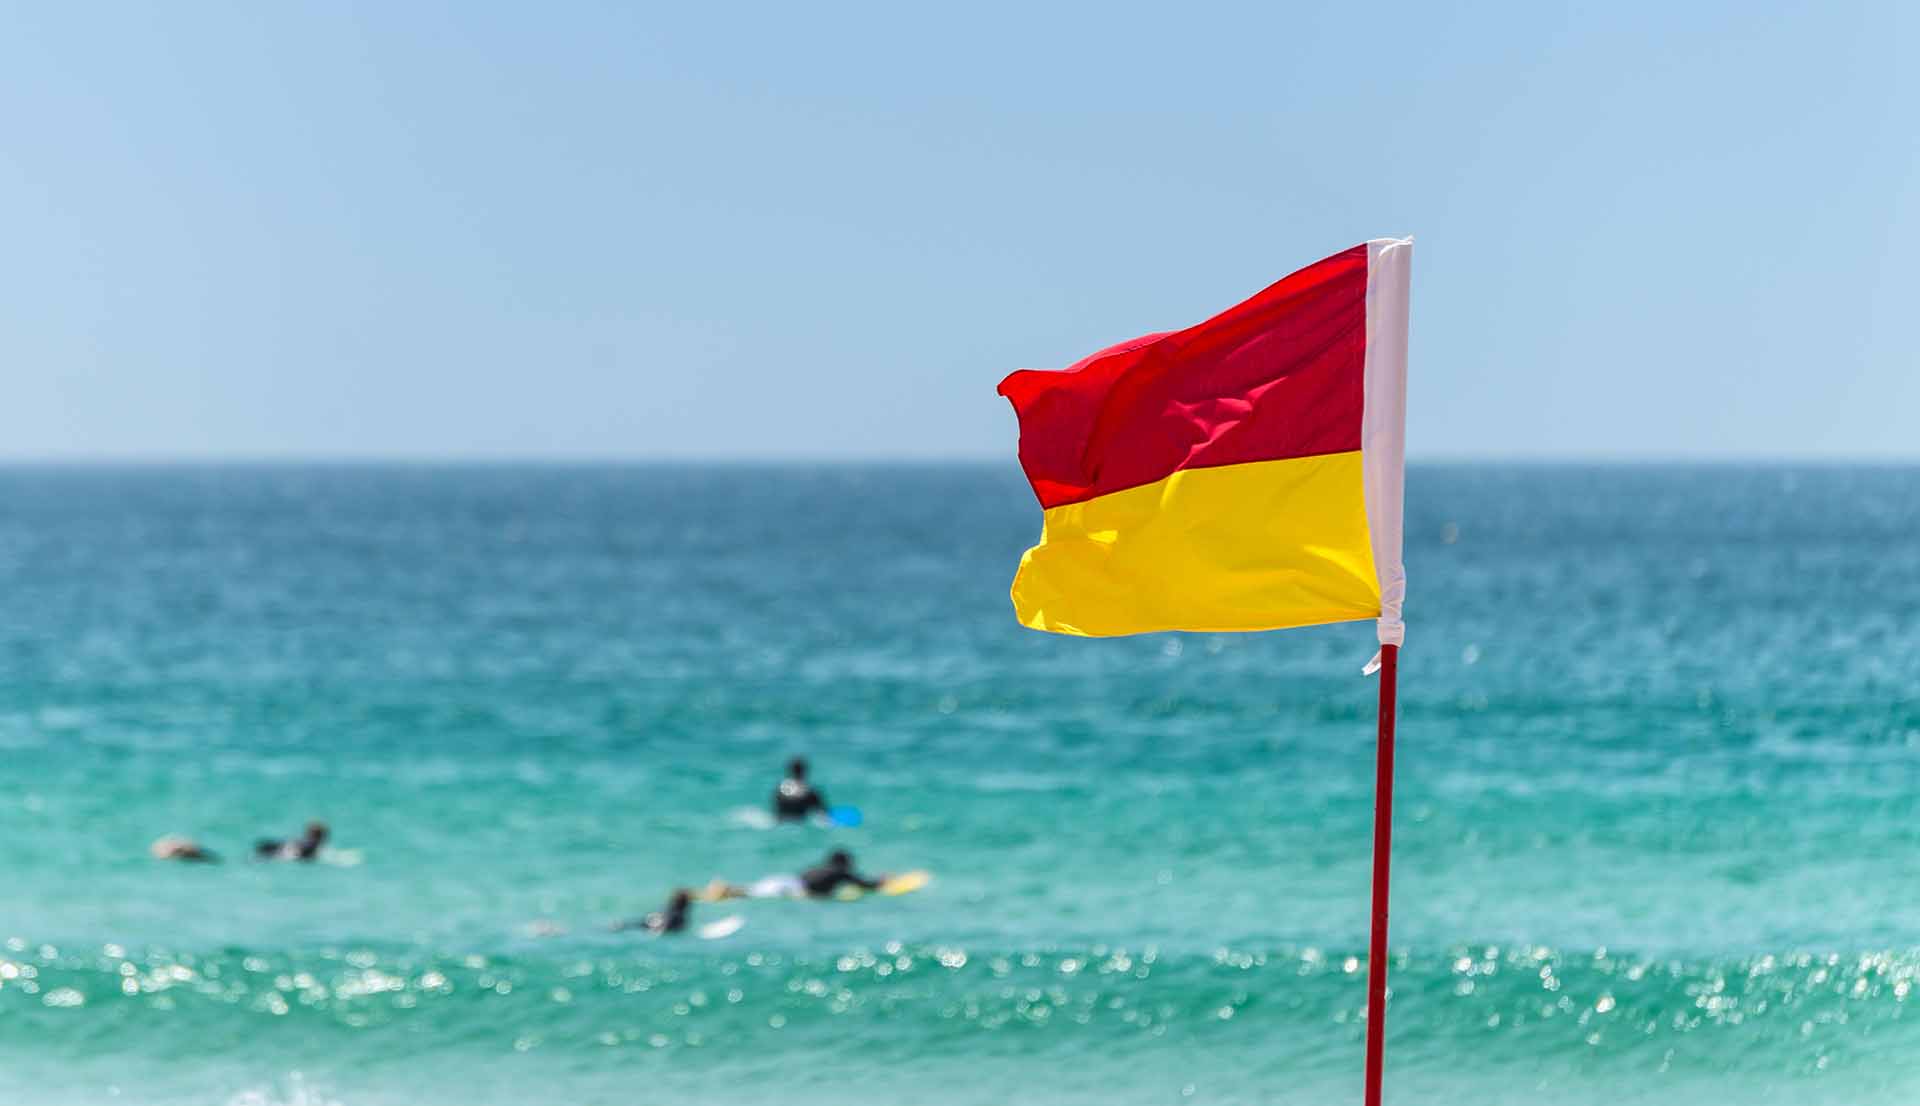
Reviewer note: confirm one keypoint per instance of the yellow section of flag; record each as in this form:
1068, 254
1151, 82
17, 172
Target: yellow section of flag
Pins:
1259, 546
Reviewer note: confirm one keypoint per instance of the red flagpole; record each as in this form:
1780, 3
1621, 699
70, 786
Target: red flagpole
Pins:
1382, 857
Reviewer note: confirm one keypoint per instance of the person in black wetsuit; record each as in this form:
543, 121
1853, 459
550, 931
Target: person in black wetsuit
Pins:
670, 919
795, 798
837, 872
305, 847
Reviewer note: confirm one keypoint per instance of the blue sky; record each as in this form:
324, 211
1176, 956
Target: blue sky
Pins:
579, 230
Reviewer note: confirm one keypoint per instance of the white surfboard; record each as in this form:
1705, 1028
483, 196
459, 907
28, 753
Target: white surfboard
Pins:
725, 927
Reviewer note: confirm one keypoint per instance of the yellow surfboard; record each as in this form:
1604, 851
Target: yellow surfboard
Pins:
905, 882
901, 884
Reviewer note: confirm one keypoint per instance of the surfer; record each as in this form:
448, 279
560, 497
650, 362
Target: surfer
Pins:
305, 847
822, 880
175, 847
669, 919
817, 882
795, 798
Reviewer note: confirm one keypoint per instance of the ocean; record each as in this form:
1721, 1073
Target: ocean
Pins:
1658, 834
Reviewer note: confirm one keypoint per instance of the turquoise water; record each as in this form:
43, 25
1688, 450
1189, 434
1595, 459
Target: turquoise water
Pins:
1658, 835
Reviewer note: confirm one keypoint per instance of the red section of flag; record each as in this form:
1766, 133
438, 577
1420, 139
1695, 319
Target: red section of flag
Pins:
1278, 376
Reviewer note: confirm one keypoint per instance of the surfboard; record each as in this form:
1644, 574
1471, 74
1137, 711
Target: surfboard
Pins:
752, 817
767, 887
902, 884
725, 927
906, 882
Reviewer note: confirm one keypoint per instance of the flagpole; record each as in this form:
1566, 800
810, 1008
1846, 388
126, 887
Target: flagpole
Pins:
1382, 857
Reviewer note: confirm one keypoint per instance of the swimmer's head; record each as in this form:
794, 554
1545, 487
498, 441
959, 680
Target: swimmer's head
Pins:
840, 858
316, 831
681, 899
797, 768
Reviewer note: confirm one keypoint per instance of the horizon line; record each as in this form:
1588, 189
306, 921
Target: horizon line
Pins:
612, 460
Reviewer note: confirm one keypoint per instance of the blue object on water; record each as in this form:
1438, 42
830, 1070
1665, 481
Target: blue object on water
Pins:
848, 816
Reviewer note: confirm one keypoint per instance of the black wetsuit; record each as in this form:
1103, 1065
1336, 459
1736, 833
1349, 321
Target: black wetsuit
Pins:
828, 878
303, 848
671, 920
794, 799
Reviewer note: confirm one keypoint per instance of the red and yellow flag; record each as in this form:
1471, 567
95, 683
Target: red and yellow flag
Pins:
1242, 474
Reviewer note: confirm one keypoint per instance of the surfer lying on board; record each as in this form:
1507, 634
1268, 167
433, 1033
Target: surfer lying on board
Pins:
795, 798
817, 882
671, 918
304, 847
824, 879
